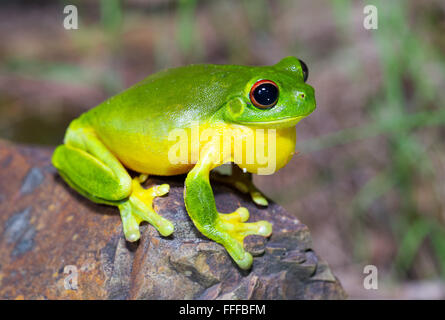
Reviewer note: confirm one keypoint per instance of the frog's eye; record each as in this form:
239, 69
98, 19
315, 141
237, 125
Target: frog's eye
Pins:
304, 69
264, 94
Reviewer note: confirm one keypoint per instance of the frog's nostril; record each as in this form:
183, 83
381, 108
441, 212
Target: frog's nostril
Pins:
302, 95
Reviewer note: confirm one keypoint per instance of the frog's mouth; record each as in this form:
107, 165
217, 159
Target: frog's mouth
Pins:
278, 123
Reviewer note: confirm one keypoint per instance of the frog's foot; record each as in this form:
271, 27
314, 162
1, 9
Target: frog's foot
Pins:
243, 183
139, 207
233, 229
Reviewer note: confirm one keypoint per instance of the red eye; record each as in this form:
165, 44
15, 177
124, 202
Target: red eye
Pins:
264, 94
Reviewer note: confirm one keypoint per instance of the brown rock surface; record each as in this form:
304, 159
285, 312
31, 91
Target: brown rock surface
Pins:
45, 226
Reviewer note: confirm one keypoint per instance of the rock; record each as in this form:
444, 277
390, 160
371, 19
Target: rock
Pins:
49, 233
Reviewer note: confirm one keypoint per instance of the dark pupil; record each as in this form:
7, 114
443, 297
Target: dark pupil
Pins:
305, 70
266, 94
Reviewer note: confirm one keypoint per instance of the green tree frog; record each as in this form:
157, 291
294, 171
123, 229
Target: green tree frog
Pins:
132, 130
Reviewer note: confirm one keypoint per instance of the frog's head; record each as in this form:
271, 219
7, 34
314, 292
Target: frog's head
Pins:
273, 96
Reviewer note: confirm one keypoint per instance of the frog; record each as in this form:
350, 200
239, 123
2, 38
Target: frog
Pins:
109, 151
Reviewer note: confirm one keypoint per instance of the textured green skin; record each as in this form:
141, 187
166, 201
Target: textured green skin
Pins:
168, 100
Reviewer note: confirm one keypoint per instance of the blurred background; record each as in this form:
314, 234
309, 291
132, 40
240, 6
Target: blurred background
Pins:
370, 177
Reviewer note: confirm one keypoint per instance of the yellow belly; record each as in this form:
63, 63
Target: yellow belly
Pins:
261, 151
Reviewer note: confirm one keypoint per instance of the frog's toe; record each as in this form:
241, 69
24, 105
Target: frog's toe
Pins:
258, 198
240, 215
130, 222
139, 207
246, 261
161, 190
235, 228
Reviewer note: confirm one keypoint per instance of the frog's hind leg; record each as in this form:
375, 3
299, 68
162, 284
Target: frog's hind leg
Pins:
241, 181
90, 168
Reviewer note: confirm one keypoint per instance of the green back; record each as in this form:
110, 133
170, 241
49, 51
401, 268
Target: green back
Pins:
170, 99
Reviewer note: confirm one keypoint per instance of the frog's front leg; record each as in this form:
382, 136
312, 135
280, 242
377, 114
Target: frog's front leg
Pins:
90, 168
226, 229
243, 182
